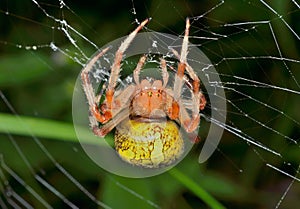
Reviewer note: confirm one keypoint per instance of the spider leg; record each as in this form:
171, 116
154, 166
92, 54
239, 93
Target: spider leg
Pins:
164, 72
120, 102
173, 111
108, 106
86, 83
106, 128
182, 64
189, 123
137, 70
198, 97
87, 86
115, 68
191, 106
121, 107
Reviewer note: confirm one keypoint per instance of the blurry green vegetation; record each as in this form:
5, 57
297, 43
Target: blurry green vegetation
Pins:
39, 84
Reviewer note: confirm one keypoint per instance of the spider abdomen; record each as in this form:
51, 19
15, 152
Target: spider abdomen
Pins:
149, 144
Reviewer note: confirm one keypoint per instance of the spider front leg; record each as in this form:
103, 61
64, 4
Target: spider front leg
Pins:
182, 64
87, 86
121, 104
115, 69
164, 72
110, 125
198, 97
120, 112
90, 94
174, 109
106, 109
198, 101
189, 123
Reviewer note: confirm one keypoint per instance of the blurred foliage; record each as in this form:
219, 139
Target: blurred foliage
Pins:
39, 84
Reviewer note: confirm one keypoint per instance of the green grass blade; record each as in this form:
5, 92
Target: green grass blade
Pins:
196, 189
29, 126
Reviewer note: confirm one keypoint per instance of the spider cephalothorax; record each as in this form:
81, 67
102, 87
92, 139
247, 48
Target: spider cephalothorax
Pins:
144, 113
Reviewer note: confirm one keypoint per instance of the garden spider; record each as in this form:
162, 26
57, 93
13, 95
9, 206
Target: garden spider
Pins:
145, 111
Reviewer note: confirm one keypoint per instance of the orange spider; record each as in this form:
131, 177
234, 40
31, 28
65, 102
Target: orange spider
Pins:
145, 111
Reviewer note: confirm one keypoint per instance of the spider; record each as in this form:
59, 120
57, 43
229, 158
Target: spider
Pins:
146, 112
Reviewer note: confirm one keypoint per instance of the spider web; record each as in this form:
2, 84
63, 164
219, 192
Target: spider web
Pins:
254, 47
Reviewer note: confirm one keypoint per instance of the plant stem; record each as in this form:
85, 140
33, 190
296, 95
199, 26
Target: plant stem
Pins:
196, 189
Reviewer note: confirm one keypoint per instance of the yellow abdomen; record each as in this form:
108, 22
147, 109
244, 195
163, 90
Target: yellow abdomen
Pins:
149, 144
